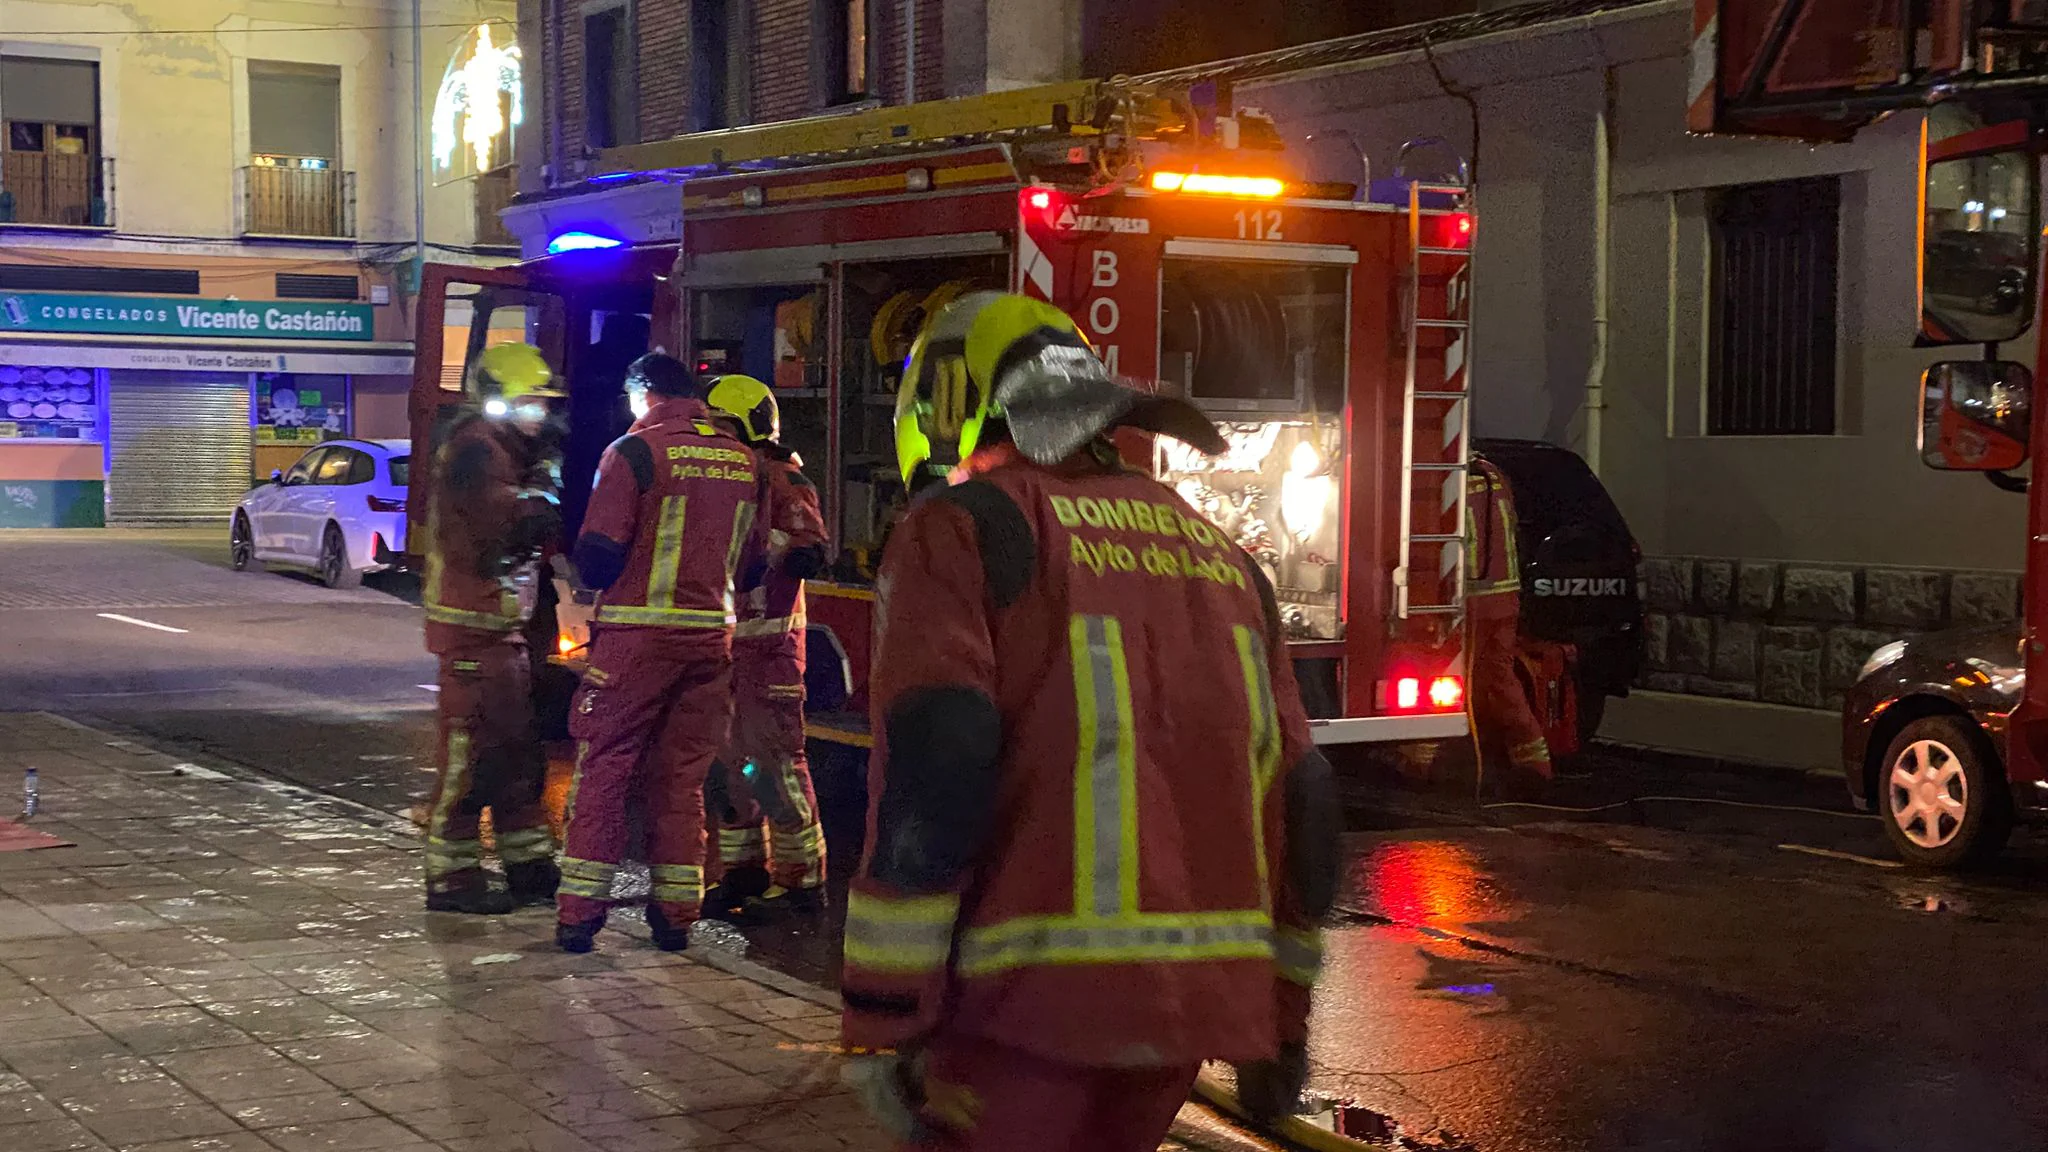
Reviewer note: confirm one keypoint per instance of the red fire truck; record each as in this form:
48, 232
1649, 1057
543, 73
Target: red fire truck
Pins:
1324, 331
1945, 736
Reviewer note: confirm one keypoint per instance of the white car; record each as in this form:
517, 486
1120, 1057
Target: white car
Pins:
339, 512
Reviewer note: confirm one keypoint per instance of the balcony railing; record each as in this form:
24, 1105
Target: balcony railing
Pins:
55, 188
290, 201
494, 190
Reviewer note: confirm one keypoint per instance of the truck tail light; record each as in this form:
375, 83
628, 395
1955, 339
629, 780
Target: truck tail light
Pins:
1416, 694
380, 504
1447, 692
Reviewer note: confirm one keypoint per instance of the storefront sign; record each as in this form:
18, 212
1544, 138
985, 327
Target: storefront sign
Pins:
156, 316
178, 359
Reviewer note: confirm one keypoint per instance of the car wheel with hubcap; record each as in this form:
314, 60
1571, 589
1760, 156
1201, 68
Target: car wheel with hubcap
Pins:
335, 571
1942, 794
241, 544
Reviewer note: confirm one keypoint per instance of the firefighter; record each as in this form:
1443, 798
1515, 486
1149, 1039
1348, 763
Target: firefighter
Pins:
491, 513
1493, 607
763, 772
670, 522
1100, 836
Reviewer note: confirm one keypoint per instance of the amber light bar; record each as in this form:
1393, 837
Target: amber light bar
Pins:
1208, 184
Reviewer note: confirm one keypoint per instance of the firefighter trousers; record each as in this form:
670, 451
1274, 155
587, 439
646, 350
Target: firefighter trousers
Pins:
1500, 705
648, 720
764, 776
984, 1097
491, 758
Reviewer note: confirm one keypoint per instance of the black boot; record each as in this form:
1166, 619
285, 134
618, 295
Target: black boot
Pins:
727, 900
533, 882
667, 937
578, 938
794, 901
471, 894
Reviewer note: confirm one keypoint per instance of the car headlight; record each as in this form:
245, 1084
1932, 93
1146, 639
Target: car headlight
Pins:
1883, 656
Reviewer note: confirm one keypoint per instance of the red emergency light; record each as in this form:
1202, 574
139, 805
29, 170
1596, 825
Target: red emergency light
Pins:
1041, 204
1448, 230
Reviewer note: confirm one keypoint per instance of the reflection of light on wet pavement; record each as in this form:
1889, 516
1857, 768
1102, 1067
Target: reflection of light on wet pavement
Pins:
1423, 882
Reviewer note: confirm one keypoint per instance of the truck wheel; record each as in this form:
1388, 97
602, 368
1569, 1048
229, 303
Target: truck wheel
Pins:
1942, 794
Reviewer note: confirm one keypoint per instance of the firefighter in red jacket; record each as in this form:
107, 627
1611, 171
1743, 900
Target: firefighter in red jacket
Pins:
490, 515
1493, 607
1100, 838
763, 772
670, 522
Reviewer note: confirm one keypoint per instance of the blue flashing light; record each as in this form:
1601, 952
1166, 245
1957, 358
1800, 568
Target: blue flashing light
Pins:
581, 242
609, 177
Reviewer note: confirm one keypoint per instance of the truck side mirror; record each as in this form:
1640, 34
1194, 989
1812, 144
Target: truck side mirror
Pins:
1974, 415
277, 477
1980, 240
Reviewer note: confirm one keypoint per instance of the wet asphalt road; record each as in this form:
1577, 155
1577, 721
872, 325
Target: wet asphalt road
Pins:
1651, 975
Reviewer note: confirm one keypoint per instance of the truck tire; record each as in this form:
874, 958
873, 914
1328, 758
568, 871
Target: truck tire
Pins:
1942, 796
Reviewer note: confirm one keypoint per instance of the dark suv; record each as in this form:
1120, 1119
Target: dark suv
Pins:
1578, 567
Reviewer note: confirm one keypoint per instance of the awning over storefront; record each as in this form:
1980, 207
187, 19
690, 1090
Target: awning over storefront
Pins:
353, 358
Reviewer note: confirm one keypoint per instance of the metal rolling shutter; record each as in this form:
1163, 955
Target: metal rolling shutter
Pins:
181, 446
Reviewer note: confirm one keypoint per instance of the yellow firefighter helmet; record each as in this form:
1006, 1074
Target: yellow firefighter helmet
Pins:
514, 372
1001, 355
750, 402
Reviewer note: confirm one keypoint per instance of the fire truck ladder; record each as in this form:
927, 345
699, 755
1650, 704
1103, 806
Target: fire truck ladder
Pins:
1437, 309
1110, 113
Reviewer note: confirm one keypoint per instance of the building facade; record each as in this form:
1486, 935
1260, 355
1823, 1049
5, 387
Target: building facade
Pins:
1724, 328
207, 237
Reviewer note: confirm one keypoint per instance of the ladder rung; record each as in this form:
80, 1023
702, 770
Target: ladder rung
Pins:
1434, 609
1440, 395
1444, 251
1459, 325
1437, 538
1438, 467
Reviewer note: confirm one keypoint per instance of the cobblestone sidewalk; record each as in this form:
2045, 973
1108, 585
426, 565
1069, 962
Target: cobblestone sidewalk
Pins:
224, 964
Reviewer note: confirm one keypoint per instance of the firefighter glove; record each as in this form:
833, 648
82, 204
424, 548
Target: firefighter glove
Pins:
1270, 1089
539, 521
891, 1088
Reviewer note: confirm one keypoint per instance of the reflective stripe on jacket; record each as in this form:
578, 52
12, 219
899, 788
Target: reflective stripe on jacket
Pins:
472, 507
1492, 563
773, 605
679, 496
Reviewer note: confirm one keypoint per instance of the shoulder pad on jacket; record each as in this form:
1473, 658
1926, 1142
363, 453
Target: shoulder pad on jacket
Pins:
1009, 554
638, 456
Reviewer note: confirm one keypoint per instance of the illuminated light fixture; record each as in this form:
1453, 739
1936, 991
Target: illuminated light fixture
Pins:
496, 407
466, 108
1446, 692
1039, 198
1209, 184
580, 242
1305, 494
918, 180
610, 177
1407, 693
753, 197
